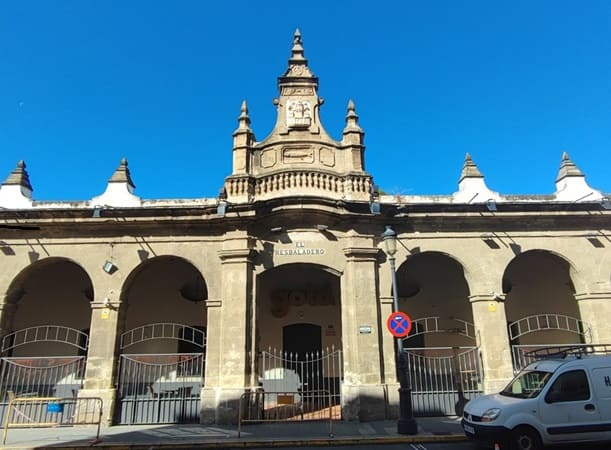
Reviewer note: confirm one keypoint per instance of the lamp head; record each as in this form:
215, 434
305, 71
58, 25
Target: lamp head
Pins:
390, 240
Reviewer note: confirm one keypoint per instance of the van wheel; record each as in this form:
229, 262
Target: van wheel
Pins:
525, 438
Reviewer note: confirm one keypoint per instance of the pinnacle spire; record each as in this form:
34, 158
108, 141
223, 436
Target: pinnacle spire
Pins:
297, 56
352, 118
19, 176
244, 118
469, 169
122, 174
568, 168
298, 64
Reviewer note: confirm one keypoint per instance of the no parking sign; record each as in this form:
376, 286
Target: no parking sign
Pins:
399, 324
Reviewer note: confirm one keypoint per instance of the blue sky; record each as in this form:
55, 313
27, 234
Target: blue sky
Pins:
514, 83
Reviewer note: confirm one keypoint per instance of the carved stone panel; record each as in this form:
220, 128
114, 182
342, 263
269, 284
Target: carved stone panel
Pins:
298, 114
326, 156
300, 154
268, 158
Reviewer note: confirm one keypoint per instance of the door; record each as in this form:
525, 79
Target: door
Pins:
302, 338
568, 408
302, 343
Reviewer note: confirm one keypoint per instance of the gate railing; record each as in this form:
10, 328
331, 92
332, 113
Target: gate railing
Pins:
40, 377
160, 388
263, 406
313, 372
31, 412
443, 379
544, 322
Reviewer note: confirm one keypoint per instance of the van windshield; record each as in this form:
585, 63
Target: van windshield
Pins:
527, 384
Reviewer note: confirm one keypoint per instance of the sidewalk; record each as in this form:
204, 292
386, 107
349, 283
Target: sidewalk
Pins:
290, 434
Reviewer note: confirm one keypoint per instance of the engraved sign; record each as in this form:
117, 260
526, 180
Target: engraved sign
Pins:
302, 154
299, 250
297, 91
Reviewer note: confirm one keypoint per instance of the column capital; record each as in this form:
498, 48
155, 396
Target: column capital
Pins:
487, 297
239, 255
361, 253
606, 295
386, 300
214, 303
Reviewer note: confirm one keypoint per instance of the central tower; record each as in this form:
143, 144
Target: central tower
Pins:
298, 158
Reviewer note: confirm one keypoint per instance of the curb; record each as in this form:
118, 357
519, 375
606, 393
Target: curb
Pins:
323, 442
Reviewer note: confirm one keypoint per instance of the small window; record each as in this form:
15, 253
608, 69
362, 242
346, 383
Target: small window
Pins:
569, 387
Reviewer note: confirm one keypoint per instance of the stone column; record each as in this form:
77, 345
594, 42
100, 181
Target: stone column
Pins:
594, 310
229, 337
363, 389
102, 356
490, 323
390, 361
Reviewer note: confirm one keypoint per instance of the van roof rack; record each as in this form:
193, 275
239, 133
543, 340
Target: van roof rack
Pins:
577, 351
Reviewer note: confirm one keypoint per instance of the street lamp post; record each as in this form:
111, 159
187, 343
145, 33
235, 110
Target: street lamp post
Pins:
406, 423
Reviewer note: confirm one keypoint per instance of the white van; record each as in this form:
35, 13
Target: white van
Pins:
551, 401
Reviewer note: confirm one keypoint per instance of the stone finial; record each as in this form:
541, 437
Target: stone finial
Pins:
352, 118
472, 186
122, 174
571, 185
298, 64
19, 177
297, 56
244, 118
469, 169
568, 168
120, 189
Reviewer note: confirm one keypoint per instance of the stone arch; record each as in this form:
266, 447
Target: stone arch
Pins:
433, 289
163, 289
296, 293
55, 293
539, 300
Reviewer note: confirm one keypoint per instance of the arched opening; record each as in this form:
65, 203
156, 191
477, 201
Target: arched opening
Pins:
162, 343
540, 305
298, 337
441, 353
47, 331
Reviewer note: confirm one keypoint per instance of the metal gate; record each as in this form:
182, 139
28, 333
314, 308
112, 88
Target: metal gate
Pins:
160, 388
443, 379
541, 323
44, 376
313, 381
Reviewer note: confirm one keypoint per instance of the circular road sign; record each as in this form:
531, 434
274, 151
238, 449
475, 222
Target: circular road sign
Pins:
399, 324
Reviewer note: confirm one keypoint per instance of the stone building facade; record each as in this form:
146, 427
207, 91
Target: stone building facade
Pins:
288, 257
